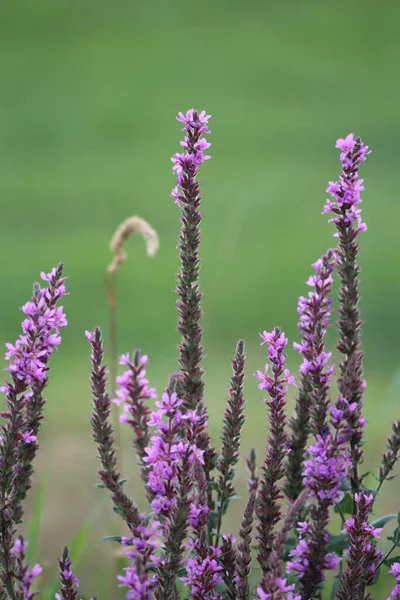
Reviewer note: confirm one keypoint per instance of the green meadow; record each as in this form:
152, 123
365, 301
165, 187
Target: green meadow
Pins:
89, 94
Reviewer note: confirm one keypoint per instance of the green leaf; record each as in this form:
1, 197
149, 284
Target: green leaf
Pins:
346, 485
338, 543
112, 538
398, 519
391, 560
346, 504
395, 538
383, 520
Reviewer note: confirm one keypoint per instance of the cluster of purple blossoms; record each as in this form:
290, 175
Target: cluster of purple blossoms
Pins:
346, 192
276, 388
139, 577
29, 355
175, 439
187, 163
203, 569
326, 469
324, 473
395, 571
25, 573
203, 573
363, 556
133, 387
282, 591
315, 311
301, 555
267, 507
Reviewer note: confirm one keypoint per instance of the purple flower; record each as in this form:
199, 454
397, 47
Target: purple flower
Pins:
363, 556
301, 556
187, 163
28, 367
69, 581
327, 467
315, 311
141, 551
267, 507
345, 207
134, 392
203, 575
133, 382
395, 571
29, 355
282, 591
28, 437
167, 449
25, 572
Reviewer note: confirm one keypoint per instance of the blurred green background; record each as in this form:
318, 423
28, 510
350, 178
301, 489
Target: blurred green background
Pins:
89, 94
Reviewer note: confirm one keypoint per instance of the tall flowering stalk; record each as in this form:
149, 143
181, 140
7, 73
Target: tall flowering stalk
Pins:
311, 406
267, 507
134, 392
142, 547
69, 581
391, 456
243, 555
314, 313
274, 583
204, 572
172, 458
187, 196
102, 433
324, 473
363, 556
347, 218
233, 422
28, 367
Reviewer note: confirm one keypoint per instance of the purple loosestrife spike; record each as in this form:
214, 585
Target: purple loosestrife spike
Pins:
28, 366
395, 571
139, 577
251, 464
233, 422
134, 392
363, 557
228, 561
274, 575
243, 555
187, 195
102, 434
300, 431
69, 581
347, 218
267, 507
175, 433
324, 473
25, 572
176, 532
391, 456
315, 311
312, 399
203, 571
